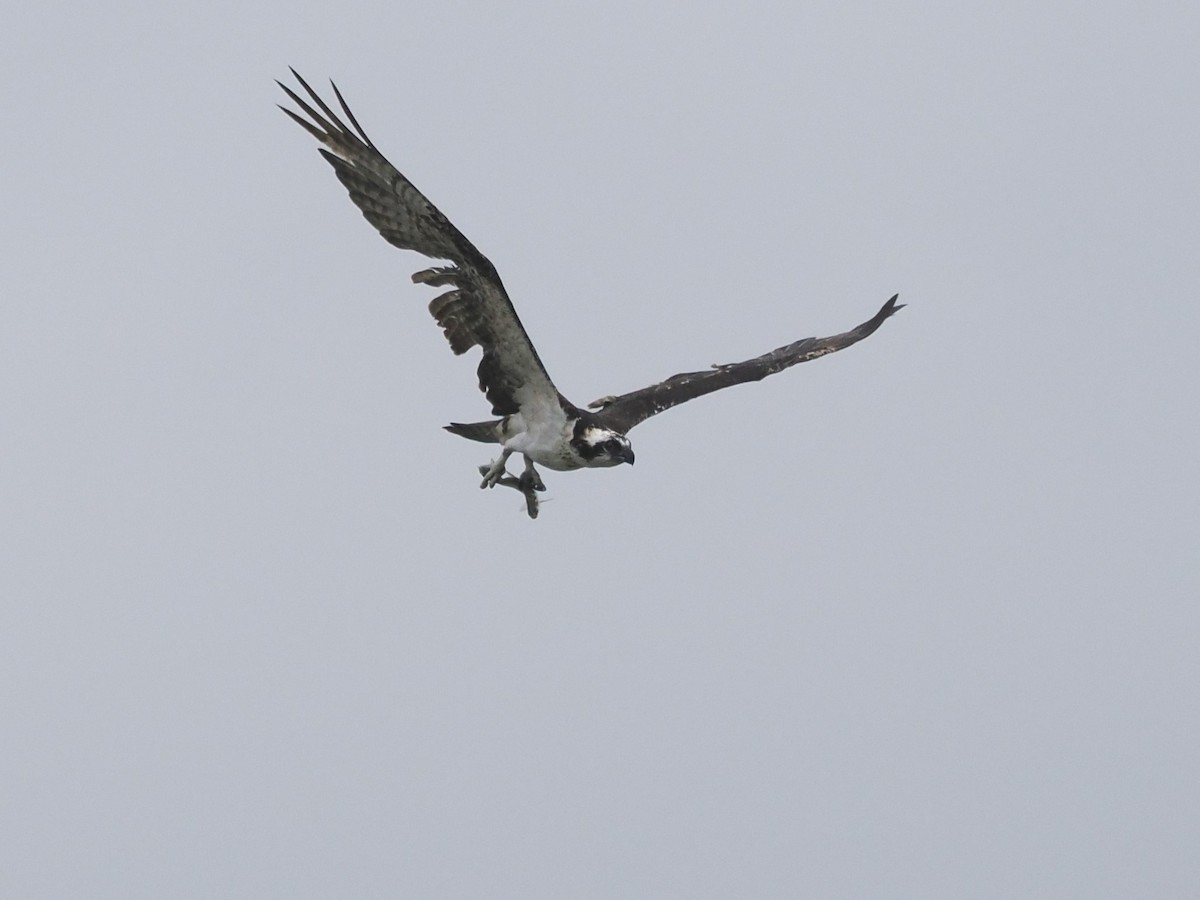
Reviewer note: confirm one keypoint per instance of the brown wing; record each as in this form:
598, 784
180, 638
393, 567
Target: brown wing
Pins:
623, 412
477, 311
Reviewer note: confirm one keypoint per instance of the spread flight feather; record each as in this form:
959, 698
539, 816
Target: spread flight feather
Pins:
623, 412
477, 312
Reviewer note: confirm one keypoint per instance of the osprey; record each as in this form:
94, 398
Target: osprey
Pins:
535, 421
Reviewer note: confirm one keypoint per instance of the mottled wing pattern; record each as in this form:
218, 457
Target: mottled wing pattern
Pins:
476, 310
623, 412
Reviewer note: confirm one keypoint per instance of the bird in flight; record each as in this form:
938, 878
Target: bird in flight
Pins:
535, 420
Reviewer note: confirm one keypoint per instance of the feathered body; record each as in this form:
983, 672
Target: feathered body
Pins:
535, 421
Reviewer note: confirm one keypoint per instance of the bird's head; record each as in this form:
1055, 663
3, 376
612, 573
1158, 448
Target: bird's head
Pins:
598, 446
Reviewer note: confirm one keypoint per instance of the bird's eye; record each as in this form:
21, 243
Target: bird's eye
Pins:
612, 445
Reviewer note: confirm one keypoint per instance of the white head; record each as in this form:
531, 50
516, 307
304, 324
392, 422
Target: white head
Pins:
598, 446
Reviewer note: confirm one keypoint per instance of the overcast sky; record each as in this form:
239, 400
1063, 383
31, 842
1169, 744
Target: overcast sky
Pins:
916, 620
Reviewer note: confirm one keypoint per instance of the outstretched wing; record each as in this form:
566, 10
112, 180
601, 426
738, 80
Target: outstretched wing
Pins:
476, 311
623, 412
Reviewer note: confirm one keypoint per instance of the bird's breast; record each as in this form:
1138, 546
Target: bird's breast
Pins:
548, 445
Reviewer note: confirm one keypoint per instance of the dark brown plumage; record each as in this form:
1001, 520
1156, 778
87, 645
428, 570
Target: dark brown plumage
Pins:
477, 312
538, 422
623, 412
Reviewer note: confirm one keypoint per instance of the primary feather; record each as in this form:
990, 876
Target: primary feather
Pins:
477, 311
537, 421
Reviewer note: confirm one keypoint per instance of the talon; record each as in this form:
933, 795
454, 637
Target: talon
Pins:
530, 479
531, 482
493, 473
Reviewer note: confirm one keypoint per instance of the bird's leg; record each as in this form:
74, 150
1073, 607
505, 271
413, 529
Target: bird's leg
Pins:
496, 472
530, 480
523, 484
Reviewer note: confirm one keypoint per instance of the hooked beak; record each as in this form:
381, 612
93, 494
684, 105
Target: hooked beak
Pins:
627, 455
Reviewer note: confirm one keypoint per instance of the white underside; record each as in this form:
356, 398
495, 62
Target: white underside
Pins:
542, 432
546, 441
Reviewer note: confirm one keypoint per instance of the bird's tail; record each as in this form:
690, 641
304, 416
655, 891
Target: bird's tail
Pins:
484, 432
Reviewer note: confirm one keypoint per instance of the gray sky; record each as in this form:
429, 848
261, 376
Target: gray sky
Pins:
916, 620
